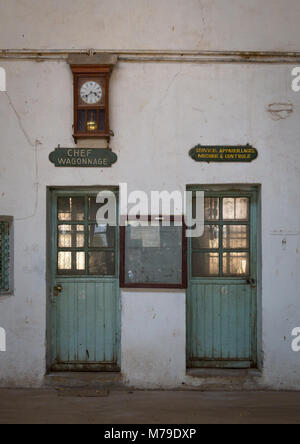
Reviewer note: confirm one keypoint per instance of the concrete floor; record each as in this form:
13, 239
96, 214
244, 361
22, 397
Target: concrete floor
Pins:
79, 406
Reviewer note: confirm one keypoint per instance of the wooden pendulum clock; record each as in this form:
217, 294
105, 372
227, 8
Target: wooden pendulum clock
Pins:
91, 101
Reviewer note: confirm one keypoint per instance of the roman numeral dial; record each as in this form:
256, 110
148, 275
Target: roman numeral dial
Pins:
91, 92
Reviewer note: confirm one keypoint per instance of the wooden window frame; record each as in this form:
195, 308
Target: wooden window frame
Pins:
184, 282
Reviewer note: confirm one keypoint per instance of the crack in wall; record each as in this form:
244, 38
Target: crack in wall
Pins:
160, 104
35, 146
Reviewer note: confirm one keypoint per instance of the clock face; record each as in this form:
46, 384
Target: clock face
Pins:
91, 92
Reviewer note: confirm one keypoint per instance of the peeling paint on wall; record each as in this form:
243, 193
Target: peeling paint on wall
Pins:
280, 111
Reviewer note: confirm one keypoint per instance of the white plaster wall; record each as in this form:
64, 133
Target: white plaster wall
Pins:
158, 24
153, 339
158, 112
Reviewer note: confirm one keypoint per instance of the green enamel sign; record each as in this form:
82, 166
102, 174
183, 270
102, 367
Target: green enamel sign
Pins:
238, 153
83, 158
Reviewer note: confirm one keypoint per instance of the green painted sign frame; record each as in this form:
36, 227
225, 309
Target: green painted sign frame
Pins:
221, 153
83, 158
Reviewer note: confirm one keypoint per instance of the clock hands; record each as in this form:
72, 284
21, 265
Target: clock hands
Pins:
91, 93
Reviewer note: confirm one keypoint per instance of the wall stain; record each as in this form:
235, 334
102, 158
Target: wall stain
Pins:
280, 111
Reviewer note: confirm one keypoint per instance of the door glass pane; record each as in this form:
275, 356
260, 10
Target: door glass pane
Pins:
71, 236
64, 260
205, 264
71, 208
236, 208
102, 263
84, 242
211, 208
210, 238
101, 236
71, 262
236, 236
80, 261
94, 207
236, 264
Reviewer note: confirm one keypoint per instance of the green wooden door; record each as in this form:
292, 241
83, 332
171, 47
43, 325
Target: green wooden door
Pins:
85, 287
222, 293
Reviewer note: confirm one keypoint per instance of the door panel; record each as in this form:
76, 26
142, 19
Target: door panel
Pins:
221, 299
221, 317
87, 323
85, 299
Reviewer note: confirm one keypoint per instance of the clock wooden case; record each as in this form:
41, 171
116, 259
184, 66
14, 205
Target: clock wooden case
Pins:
91, 101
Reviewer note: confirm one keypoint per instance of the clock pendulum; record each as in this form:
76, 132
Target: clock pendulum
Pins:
92, 123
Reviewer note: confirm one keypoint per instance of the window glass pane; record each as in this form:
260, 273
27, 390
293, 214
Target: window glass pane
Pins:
236, 236
210, 238
102, 263
71, 208
101, 236
153, 255
71, 236
236, 208
205, 264
4, 256
236, 264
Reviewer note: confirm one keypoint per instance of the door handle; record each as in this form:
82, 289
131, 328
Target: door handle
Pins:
251, 282
57, 289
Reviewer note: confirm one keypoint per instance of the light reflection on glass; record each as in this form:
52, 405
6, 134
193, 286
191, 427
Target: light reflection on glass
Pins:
236, 236
235, 208
65, 260
236, 264
205, 264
